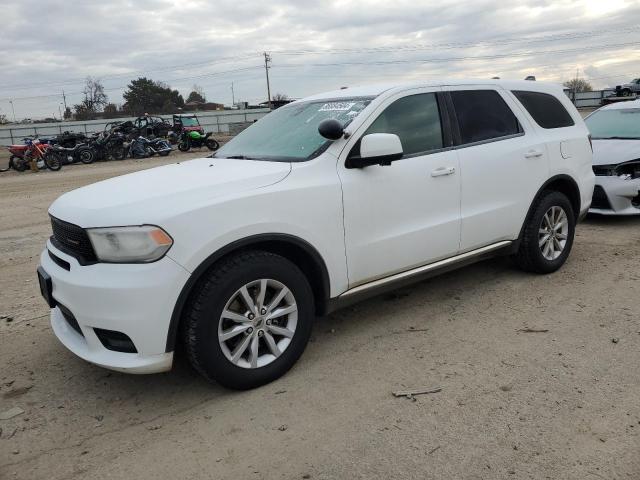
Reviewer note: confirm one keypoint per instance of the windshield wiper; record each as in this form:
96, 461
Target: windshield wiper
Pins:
239, 157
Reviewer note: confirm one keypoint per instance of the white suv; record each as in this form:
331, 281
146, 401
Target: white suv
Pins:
319, 204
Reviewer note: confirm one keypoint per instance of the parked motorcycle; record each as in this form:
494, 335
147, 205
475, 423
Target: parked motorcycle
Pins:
33, 155
142, 147
194, 139
80, 153
109, 144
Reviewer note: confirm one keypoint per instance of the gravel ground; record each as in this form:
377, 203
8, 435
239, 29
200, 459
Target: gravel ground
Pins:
539, 376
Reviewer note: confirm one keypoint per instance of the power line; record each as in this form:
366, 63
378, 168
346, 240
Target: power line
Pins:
443, 46
213, 74
184, 66
455, 59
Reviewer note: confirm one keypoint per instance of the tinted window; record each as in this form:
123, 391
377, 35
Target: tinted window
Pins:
483, 115
545, 109
415, 119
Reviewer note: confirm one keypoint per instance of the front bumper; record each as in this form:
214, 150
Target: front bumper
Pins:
616, 196
136, 300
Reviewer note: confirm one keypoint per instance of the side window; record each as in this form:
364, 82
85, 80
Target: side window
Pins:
545, 109
415, 119
483, 115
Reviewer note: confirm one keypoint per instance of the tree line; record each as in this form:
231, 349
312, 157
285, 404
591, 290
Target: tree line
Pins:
142, 95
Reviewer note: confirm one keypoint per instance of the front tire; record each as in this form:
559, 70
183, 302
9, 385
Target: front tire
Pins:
212, 144
548, 234
248, 320
52, 161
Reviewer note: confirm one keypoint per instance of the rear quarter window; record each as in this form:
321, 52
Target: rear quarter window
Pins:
483, 115
546, 110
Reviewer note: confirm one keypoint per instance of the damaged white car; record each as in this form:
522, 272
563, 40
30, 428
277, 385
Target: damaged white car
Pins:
615, 131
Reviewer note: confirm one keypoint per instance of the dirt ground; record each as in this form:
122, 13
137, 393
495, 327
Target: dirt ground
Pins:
558, 402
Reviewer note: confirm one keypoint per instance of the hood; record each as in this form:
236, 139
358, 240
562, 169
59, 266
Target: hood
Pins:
151, 196
612, 152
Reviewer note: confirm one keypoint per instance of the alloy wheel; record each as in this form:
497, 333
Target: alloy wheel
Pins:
553, 233
257, 323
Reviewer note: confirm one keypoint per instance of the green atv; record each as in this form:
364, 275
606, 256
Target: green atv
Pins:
194, 139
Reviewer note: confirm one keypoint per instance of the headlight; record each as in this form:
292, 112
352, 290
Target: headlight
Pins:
140, 244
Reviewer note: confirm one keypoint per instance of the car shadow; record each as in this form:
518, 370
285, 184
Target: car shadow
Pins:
615, 220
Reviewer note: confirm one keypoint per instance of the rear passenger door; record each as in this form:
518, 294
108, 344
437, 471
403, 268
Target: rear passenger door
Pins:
503, 162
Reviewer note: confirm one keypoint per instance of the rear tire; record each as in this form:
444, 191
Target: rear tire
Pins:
18, 164
548, 234
86, 155
267, 345
212, 144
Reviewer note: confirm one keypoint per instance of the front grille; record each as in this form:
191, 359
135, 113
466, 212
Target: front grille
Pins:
600, 199
73, 240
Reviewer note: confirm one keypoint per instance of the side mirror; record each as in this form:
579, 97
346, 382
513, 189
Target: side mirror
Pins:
377, 149
331, 129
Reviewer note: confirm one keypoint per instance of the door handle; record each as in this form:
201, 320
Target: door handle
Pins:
533, 154
442, 171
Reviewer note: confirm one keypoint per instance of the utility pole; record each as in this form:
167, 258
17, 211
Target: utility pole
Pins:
233, 96
64, 99
267, 60
14, 111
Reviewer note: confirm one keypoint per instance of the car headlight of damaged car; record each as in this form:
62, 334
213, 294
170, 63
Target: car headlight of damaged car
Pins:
136, 244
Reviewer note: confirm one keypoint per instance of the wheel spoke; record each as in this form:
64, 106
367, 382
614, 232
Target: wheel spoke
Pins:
240, 349
282, 311
557, 245
547, 247
261, 294
285, 332
543, 240
232, 332
271, 343
278, 298
561, 236
236, 317
253, 354
247, 299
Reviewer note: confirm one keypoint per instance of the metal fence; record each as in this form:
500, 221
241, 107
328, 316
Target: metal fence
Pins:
590, 99
218, 121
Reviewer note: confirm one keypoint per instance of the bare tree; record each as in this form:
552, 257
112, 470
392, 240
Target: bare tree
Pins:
578, 85
196, 95
279, 97
94, 97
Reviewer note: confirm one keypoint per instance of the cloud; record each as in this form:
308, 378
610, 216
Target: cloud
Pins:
189, 42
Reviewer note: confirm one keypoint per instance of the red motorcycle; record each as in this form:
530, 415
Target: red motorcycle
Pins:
32, 154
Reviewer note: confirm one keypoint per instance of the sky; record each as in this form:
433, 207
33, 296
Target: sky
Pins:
47, 46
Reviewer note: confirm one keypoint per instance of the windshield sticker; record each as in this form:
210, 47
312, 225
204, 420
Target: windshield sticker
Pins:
337, 107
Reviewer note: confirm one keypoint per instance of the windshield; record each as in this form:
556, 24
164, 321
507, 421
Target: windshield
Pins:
189, 121
623, 124
290, 133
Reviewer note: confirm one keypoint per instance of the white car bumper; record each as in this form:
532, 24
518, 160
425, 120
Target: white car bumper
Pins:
136, 300
617, 196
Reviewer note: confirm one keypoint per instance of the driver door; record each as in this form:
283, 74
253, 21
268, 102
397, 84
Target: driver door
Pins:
406, 214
